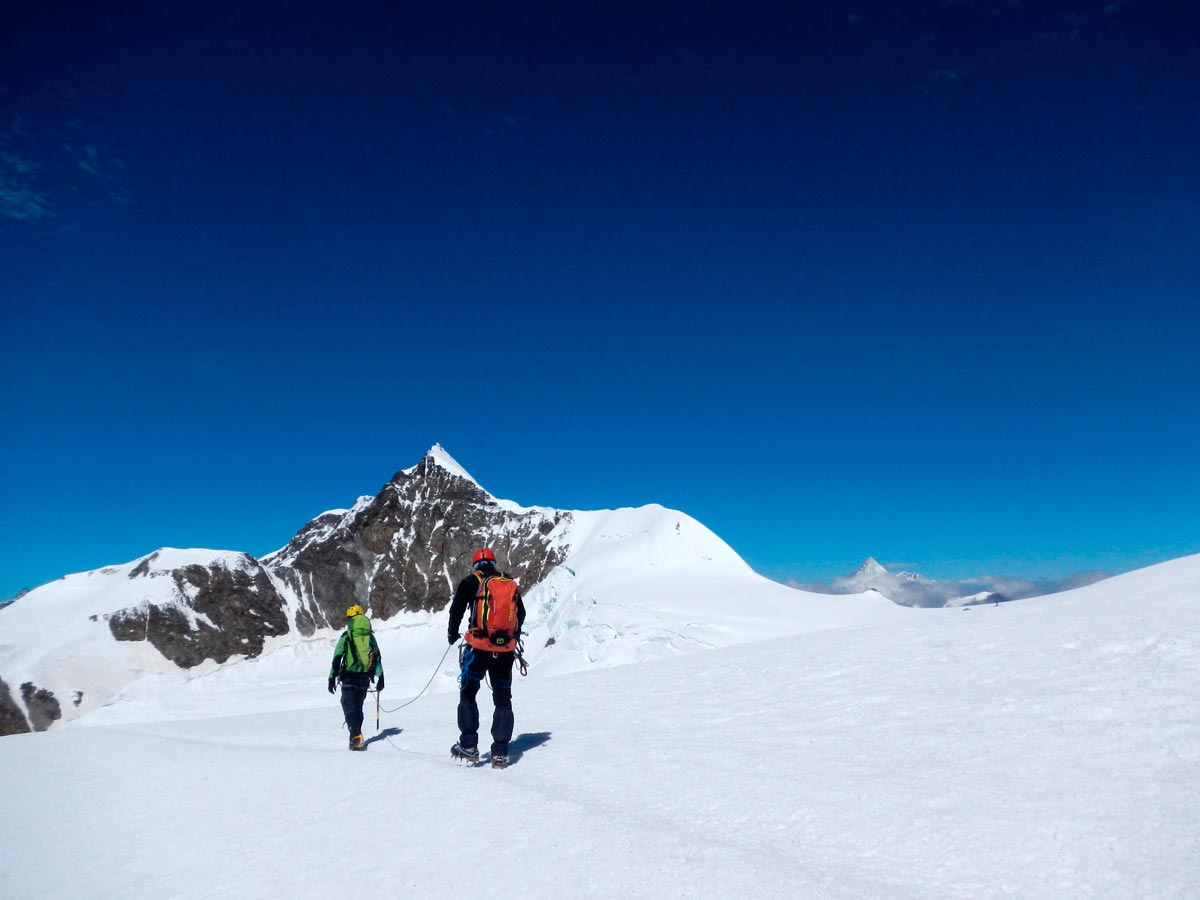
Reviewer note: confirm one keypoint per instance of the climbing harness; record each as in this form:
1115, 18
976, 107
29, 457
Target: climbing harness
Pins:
466, 653
521, 664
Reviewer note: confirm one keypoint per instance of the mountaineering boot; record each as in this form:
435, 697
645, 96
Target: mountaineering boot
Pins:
499, 761
356, 743
466, 754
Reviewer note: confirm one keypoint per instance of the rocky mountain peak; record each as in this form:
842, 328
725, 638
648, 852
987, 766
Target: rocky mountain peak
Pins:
438, 474
437, 456
402, 550
405, 548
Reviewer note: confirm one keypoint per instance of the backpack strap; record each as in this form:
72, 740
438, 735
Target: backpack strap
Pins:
485, 600
480, 608
350, 646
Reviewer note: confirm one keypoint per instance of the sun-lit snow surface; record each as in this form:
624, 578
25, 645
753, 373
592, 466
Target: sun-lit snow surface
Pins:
61, 640
645, 584
637, 584
1045, 748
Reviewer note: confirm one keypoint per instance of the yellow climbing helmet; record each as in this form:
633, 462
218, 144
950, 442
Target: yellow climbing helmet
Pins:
354, 610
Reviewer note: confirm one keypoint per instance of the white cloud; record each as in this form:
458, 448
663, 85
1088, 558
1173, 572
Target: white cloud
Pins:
909, 588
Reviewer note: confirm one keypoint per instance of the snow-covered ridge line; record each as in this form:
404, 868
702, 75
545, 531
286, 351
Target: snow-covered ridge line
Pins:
605, 586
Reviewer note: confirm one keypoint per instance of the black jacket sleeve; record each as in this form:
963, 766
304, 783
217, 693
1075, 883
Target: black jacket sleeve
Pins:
335, 665
463, 596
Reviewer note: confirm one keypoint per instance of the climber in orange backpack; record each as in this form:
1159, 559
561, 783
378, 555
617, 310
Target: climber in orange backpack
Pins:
490, 646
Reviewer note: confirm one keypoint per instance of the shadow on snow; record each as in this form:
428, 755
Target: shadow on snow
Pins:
523, 742
382, 736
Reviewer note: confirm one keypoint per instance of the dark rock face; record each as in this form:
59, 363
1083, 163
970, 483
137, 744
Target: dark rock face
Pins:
9, 602
403, 550
231, 612
42, 705
12, 720
406, 549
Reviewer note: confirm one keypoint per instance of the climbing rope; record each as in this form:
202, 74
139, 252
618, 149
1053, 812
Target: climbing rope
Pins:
437, 669
463, 646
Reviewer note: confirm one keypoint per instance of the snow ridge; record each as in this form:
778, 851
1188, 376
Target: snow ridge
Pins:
604, 588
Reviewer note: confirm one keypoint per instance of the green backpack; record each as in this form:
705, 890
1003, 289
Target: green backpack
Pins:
358, 657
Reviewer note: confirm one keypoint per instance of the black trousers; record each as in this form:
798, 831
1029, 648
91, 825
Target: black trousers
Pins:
354, 693
498, 668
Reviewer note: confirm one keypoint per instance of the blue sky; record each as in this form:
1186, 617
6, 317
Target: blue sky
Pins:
915, 281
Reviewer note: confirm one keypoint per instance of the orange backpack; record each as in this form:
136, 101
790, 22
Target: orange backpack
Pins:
494, 614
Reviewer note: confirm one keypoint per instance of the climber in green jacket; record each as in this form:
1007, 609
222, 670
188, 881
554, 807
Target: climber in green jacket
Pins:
356, 663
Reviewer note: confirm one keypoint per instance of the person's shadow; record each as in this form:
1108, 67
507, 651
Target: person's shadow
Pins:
522, 742
382, 736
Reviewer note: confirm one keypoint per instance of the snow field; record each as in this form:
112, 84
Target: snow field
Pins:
1044, 749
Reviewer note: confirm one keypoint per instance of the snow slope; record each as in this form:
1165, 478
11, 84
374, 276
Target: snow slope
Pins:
1045, 748
56, 636
637, 589
636, 585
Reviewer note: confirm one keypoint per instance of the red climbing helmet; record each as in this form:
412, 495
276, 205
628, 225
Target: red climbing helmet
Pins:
483, 553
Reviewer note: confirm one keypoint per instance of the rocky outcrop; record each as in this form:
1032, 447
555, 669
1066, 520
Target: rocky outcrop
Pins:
221, 611
402, 550
12, 719
6, 603
42, 705
406, 548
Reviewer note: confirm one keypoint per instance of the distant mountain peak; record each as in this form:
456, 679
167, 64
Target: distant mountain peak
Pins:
870, 567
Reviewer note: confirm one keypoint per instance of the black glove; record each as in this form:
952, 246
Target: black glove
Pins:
331, 682
379, 683
453, 639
